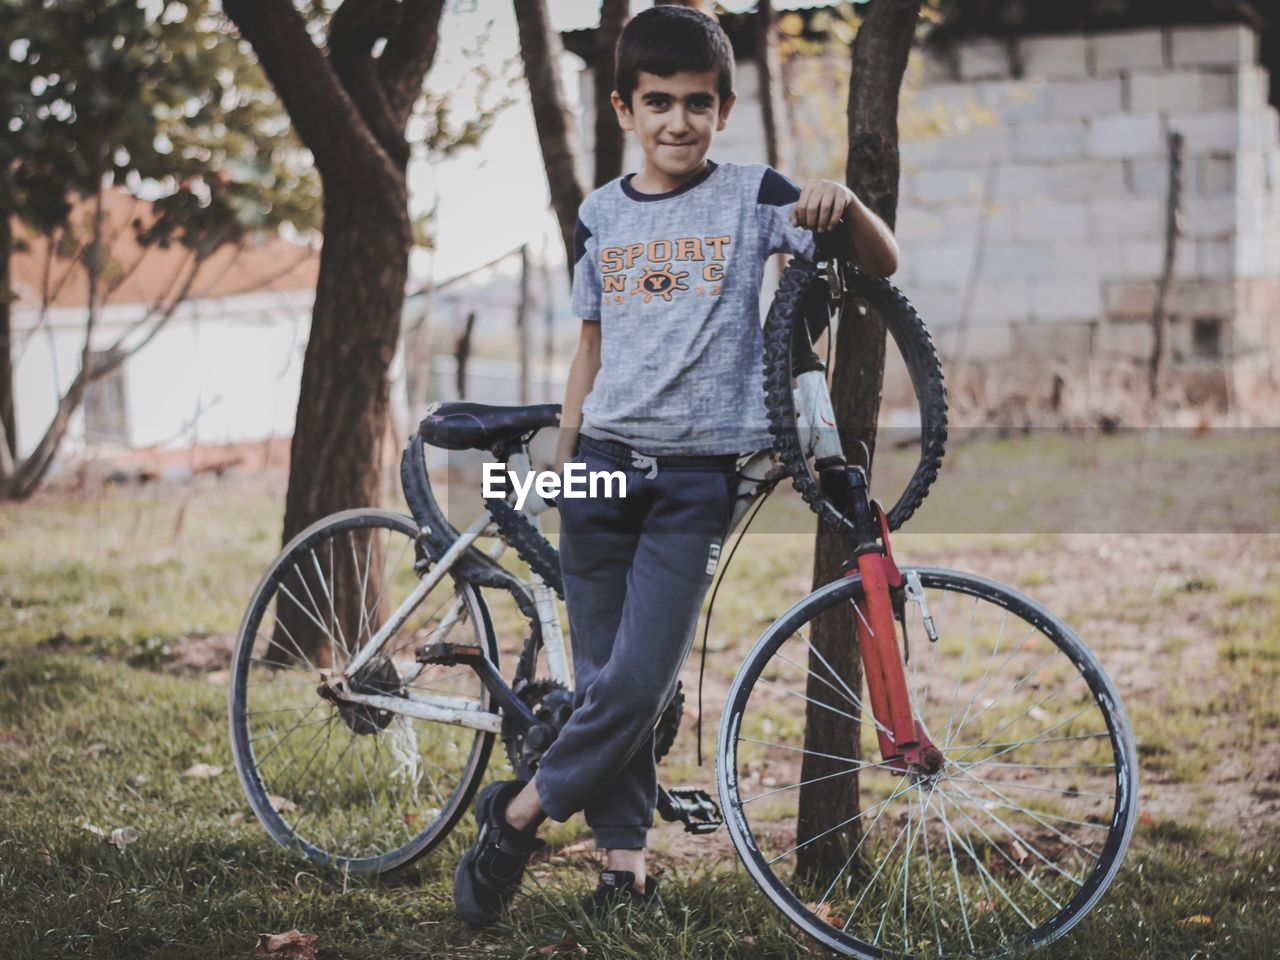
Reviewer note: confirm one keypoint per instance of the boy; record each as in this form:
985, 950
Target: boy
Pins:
665, 385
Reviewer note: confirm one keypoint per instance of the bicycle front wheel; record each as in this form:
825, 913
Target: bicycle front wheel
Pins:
1007, 846
364, 789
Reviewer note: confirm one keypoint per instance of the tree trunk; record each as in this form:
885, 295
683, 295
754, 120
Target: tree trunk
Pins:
772, 91
7, 424
610, 141
879, 59
350, 109
540, 50
335, 459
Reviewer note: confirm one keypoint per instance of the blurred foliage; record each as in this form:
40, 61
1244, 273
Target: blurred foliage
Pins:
155, 97
816, 64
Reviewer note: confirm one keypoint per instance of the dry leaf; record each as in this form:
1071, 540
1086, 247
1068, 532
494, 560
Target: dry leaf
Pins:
985, 906
295, 945
1019, 852
566, 947
46, 856
201, 771
121, 837
93, 749
280, 804
823, 912
1146, 819
92, 828
236, 818
1197, 920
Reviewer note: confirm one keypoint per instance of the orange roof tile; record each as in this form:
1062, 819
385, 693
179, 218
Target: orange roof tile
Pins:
267, 264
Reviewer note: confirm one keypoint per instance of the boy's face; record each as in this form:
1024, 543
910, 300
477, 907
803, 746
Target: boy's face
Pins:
674, 118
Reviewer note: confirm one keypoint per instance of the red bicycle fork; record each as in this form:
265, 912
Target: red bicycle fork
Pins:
903, 741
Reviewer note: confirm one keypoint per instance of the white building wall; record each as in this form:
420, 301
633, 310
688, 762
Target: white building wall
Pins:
220, 371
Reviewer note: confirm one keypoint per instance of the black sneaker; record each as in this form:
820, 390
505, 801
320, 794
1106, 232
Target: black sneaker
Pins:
616, 891
489, 873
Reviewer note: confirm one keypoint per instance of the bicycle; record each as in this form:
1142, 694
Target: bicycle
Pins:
948, 733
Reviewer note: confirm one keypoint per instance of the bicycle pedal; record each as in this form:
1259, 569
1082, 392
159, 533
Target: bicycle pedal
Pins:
449, 654
692, 806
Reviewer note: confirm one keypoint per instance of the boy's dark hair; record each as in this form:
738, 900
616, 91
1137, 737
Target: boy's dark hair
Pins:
668, 39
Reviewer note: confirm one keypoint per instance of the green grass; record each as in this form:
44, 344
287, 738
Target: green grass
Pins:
100, 595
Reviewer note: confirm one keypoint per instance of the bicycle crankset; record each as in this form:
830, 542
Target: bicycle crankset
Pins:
551, 703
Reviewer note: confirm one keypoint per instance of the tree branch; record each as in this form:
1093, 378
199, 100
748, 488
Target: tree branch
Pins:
353, 30
410, 51
322, 111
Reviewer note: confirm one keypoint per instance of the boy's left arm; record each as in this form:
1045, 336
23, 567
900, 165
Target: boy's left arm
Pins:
825, 204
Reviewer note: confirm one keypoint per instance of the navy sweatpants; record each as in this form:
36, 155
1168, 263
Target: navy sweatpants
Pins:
635, 572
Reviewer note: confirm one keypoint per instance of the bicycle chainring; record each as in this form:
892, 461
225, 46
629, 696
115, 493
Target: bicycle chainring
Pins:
552, 703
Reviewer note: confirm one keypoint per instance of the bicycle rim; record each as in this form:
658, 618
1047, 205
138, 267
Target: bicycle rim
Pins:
1007, 847
349, 785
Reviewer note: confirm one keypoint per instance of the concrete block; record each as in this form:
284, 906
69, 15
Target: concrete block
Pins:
1065, 302
941, 265
1018, 183
1138, 136
1089, 179
1260, 130
946, 186
998, 303
1201, 299
1124, 50
1213, 175
1014, 101
1209, 218
982, 145
1129, 340
939, 306
999, 223
1077, 99
1215, 131
1049, 141
1013, 262
1054, 57
1129, 259
984, 59
917, 224
1253, 88
1068, 262
1129, 299
1131, 218
1215, 259
1055, 340
988, 343
932, 66
1050, 221
1181, 90
1147, 178
1218, 45
960, 221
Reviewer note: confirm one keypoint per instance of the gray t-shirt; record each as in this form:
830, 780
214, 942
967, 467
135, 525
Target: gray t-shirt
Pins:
674, 280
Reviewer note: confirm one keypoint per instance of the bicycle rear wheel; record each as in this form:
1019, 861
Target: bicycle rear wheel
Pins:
1008, 846
349, 785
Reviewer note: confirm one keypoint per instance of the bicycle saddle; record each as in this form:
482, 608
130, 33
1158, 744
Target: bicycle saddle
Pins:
460, 425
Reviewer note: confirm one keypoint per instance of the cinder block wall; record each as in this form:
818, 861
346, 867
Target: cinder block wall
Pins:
1033, 224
